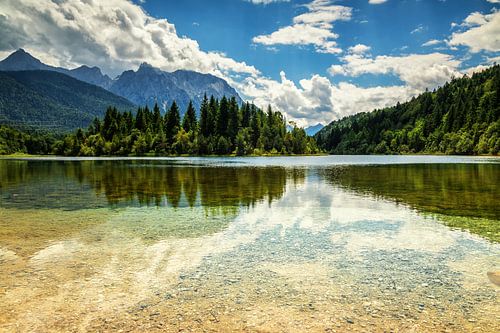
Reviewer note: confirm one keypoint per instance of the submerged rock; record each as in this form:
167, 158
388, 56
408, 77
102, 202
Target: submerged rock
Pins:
494, 277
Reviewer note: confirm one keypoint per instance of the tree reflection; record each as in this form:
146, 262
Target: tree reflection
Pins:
83, 184
464, 195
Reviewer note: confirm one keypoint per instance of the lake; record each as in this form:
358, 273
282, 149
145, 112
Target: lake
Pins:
280, 244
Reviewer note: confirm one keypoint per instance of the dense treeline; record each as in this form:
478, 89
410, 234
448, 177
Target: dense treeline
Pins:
462, 117
14, 141
222, 128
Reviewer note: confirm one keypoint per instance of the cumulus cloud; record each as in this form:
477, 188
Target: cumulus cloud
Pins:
482, 32
313, 27
376, 2
112, 34
318, 100
359, 49
419, 71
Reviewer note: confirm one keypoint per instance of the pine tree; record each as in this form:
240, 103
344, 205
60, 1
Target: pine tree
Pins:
172, 123
245, 115
213, 110
189, 122
222, 117
233, 123
157, 120
204, 117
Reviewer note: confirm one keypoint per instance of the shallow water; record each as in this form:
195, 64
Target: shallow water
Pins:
300, 244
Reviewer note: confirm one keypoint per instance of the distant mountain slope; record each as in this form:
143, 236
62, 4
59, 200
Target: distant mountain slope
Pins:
21, 60
462, 117
149, 85
311, 130
55, 100
92, 75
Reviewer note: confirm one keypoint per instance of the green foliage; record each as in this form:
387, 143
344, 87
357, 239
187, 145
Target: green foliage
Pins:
14, 141
189, 123
51, 100
220, 131
462, 117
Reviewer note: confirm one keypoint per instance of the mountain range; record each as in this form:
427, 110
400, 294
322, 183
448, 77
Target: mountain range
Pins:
145, 86
149, 85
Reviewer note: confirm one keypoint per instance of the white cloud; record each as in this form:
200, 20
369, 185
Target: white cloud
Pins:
418, 29
495, 59
118, 35
359, 49
493, 1
475, 69
318, 100
483, 32
302, 34
265, 2
376, 2
113, 34
419, 71
432, 42
311, 28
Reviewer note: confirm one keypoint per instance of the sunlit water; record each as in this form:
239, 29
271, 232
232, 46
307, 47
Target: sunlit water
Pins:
325, 244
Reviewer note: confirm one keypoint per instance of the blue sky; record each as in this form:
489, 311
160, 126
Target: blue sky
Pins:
230, 25
314, 60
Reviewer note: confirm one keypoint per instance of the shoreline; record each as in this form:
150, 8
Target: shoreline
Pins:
23, 156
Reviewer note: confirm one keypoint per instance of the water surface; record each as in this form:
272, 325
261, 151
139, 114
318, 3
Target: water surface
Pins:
289, 244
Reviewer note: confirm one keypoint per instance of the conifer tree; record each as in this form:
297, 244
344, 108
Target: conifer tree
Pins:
204, 117
222, 117
189, 122
157, 119
172, 123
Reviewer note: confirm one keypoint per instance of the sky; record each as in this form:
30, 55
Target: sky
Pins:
314, 60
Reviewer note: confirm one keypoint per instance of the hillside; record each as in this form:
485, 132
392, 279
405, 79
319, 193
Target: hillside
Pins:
48, 99
462, 117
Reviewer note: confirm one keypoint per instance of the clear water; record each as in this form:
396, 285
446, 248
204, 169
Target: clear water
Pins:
292, 244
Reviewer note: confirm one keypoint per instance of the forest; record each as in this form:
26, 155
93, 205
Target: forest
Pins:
26, 140
223, 128
462, 117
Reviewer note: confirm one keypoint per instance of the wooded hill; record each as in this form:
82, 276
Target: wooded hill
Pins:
462, 117
52, 101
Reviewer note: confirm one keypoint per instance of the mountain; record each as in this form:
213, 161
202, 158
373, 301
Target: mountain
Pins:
21, 60
147, 85
462, 117
48, 99
311, 130
150, 85
92, 75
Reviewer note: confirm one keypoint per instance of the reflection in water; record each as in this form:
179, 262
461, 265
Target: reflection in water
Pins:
464, 195
304, 250
77, 185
